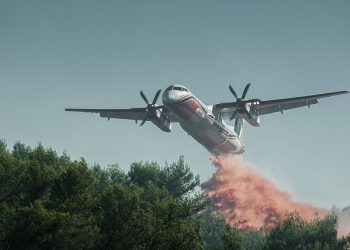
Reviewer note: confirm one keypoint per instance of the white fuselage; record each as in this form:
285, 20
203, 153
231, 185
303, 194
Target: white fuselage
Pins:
198, 121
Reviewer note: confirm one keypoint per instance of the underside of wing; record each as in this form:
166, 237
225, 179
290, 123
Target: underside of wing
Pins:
136, 114
279, 105
129, 114
258, 107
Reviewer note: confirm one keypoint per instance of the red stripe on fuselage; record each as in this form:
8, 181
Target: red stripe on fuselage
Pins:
188, 109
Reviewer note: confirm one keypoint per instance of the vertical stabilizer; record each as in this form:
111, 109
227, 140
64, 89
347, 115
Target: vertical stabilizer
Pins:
239, 127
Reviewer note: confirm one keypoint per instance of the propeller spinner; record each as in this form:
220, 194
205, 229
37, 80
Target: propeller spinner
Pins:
241, 102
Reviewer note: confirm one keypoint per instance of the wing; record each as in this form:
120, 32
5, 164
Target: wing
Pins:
135, 114
277, 105
129, 114
271, 106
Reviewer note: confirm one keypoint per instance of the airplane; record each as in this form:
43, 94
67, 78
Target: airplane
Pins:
207, 123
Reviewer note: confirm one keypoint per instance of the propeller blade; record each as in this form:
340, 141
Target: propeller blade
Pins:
245, 90
144, 97
233, 91
156, 97
234, 114
144, 120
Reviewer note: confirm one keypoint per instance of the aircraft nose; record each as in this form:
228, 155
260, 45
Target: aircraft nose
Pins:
169, 97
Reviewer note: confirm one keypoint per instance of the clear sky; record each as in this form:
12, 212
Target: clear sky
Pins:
100, 54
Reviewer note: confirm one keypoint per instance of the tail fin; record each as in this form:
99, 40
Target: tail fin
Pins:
239, 127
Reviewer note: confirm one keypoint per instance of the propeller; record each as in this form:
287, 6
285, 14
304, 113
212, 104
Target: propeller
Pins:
241, 102
151, 107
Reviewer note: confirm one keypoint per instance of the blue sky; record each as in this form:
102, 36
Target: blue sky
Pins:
100, 54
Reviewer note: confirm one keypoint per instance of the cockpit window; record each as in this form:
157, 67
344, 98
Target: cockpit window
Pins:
180, 89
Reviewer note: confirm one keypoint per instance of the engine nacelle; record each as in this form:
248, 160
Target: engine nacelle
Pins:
163, 121
253, 118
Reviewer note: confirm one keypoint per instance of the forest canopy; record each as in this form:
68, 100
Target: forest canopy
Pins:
49, 201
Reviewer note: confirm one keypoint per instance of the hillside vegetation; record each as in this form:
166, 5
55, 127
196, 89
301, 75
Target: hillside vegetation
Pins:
48, 201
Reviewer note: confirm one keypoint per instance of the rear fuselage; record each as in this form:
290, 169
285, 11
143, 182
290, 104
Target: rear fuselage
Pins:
199, 122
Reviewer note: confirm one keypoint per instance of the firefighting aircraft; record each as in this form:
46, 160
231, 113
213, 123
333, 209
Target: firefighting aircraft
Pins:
206, 124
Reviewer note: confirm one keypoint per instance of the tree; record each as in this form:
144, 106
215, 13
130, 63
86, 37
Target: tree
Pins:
32, 227
176, 227
44, 203
141, 173
213, 227
232, 239
49, 201
179, 180
177, 177
253, 240
123, 223
296, 233
21, 151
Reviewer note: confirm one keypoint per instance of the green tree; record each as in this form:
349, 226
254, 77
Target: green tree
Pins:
213, 228
177, 177
116, 174
11, 174
141, 173
32, 227
50, 201
123, 223
176, 226
179, 180
21, 151
232, 239
296, 233
253, 240
51, 196
72, 192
